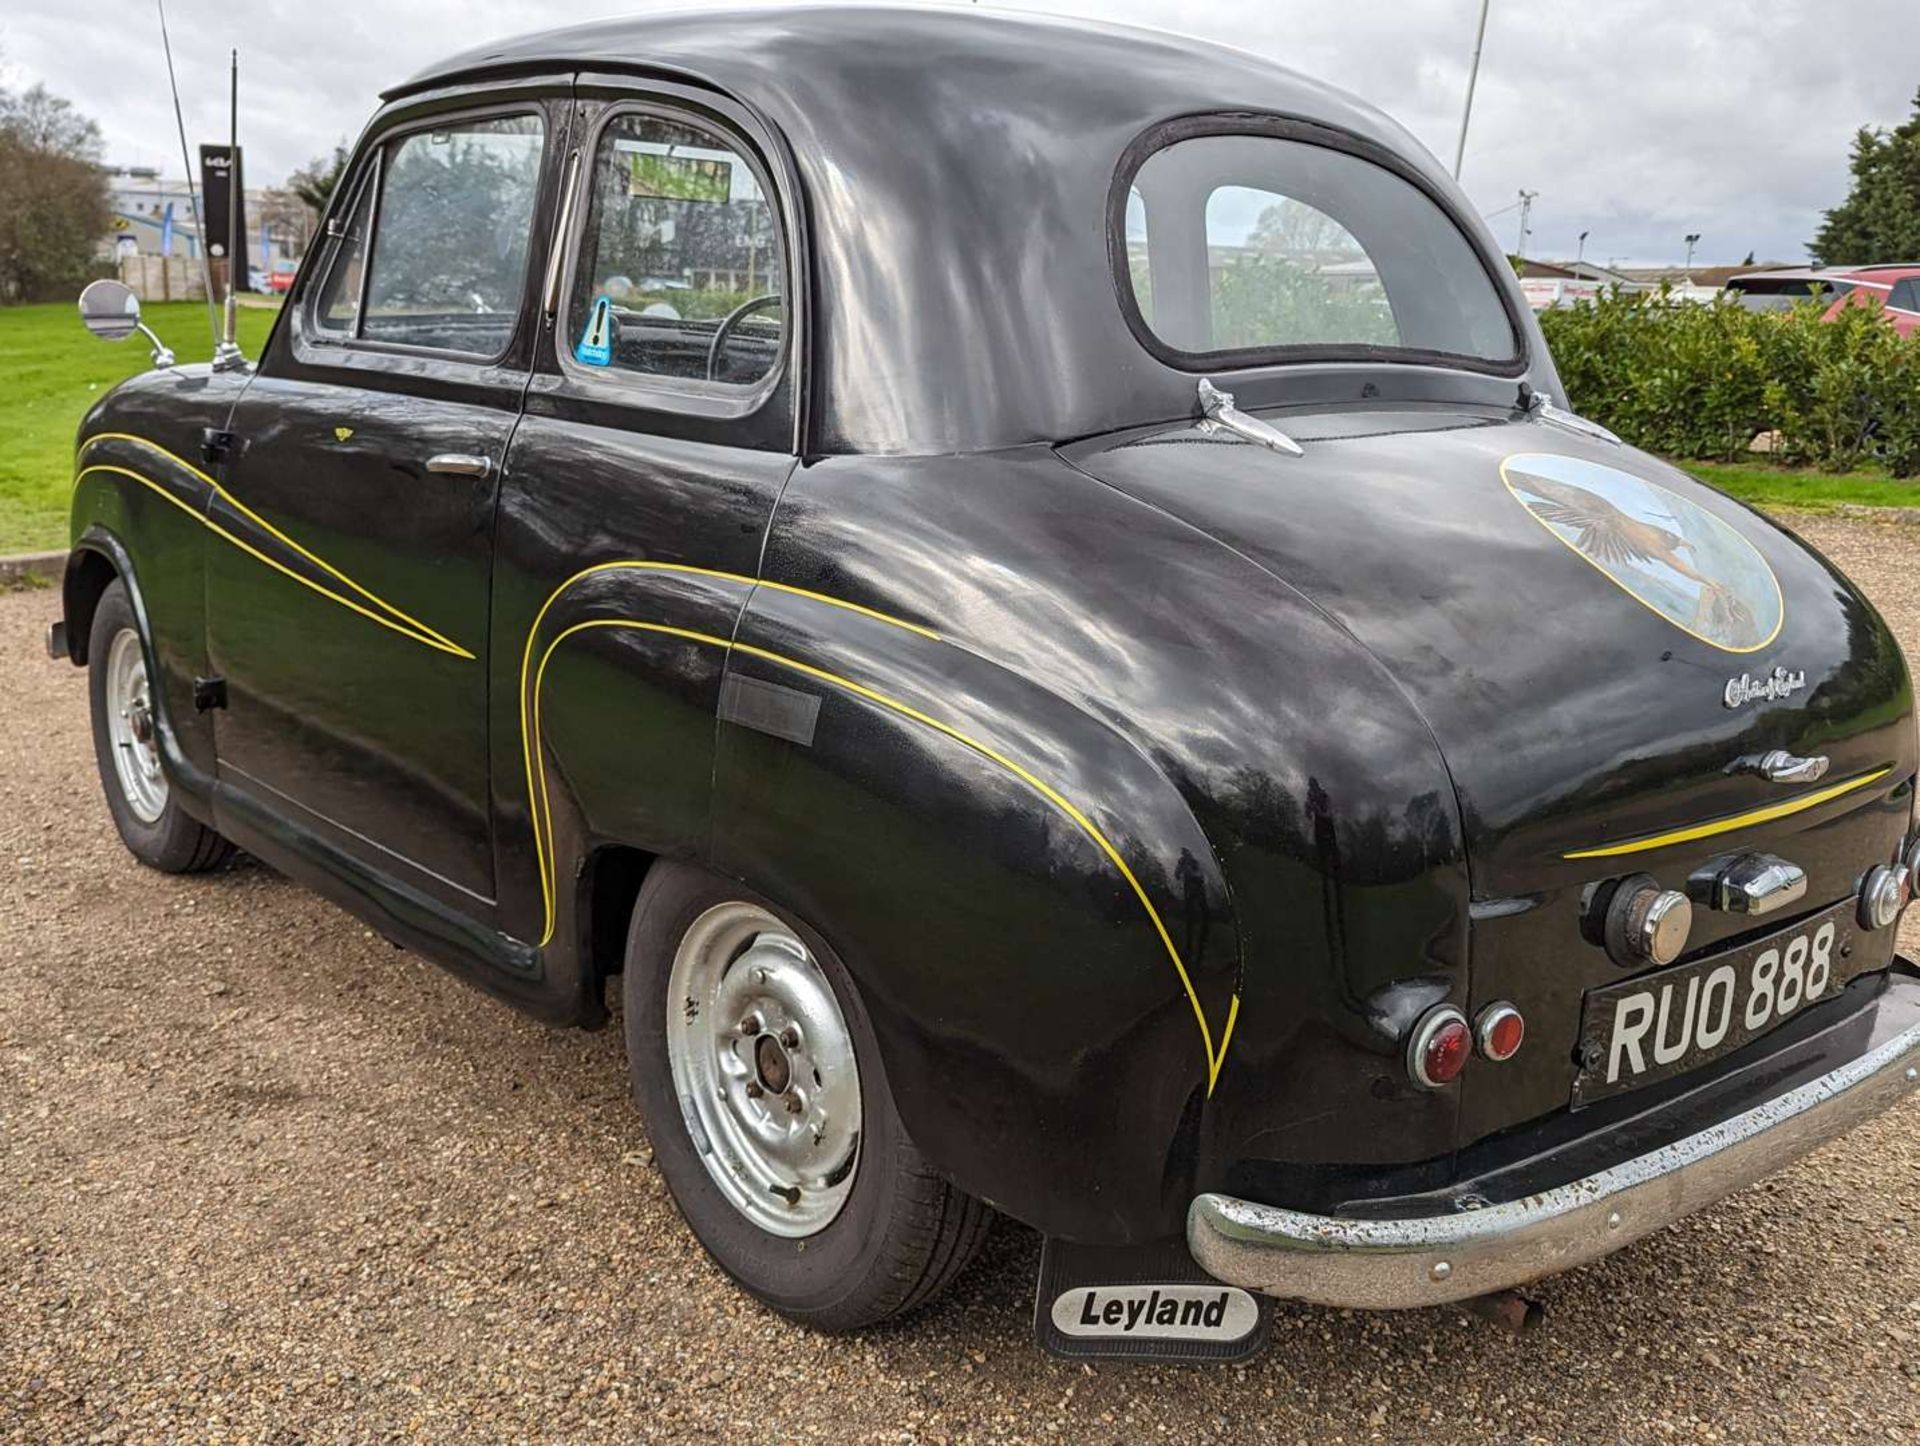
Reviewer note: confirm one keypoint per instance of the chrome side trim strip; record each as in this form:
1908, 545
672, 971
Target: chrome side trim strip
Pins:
1392, 1264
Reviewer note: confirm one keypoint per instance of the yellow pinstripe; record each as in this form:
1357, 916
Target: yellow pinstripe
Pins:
1727, 825
434, 641
537, 797
391, 617
408, 625
1216, 1056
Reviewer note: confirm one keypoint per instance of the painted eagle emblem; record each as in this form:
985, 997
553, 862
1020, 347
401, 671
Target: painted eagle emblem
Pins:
1645, 550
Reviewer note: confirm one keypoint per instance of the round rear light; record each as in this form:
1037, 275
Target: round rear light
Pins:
1439, 1047
1912, 859
1499, 1031
1882, 896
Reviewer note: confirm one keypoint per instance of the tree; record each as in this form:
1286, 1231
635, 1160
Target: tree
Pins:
42, 121
53, 196
1294, 229
315, 182
1880, 219
289, 217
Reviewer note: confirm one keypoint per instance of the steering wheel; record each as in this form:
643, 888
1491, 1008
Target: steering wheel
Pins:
733, 319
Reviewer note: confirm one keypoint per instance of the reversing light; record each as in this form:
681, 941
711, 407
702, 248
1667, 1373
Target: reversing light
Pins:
1883, 895
1647, 924
1439, 1046
1498, 1031
1912, 859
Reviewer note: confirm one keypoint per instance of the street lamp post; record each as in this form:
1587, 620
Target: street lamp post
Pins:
1473, 79
1693, 240
1581, 254
1526, 211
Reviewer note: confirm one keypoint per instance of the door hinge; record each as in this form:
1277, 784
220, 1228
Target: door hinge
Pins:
209, 693
218, 446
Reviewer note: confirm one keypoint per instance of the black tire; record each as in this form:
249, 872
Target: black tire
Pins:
173, 842
902, 1234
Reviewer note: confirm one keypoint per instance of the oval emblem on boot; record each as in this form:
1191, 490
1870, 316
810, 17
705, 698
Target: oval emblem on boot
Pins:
1670, 554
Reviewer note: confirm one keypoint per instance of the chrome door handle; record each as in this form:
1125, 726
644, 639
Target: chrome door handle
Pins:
460, 464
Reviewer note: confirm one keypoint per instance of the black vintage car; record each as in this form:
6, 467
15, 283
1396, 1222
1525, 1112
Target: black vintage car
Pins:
1026, 593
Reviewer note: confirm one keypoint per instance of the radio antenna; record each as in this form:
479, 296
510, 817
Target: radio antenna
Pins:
193, 195
227, 353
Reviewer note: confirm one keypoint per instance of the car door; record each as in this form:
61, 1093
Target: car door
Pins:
361, 477
657, 434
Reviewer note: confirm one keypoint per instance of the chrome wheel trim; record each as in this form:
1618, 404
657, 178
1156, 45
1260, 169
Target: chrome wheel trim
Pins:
763, 1065
133, 729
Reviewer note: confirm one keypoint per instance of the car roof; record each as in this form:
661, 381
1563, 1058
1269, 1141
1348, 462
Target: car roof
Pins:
957, 164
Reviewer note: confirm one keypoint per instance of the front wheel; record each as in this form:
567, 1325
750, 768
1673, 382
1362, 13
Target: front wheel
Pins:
767, 1104
126, 748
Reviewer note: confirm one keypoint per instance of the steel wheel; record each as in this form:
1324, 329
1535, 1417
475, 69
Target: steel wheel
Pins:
763, 1064
131, 728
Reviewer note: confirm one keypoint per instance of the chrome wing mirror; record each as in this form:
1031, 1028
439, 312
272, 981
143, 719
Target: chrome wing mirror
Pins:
111, 311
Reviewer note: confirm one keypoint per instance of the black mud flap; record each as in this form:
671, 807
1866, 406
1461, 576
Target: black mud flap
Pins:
1142, 1303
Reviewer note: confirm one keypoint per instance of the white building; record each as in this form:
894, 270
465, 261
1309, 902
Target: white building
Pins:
140, 199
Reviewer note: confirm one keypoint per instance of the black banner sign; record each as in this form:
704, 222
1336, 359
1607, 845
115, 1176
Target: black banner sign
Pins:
223, 186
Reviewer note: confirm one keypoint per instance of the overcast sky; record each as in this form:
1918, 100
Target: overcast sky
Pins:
1635, 120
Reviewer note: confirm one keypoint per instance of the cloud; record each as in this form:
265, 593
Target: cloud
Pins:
1636, 120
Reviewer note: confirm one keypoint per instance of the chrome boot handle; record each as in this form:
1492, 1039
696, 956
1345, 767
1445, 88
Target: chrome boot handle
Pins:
1781, 766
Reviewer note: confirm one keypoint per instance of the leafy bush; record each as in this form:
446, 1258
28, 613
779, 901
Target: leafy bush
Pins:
1704, 381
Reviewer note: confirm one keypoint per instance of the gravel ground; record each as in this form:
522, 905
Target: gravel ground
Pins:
267, 1179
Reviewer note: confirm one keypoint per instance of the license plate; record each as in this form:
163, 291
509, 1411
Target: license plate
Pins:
1660, 1025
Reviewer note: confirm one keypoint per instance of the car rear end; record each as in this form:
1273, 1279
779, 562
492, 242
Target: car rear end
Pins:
1660, 1066
1679, 751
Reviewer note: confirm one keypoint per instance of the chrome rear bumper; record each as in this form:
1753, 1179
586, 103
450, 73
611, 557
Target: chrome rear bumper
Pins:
1384, 1264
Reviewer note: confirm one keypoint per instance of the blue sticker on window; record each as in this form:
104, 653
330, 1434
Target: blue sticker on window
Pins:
596, 343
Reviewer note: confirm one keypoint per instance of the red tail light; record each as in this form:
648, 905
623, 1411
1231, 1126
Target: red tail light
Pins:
1499, 1031
1439, 1047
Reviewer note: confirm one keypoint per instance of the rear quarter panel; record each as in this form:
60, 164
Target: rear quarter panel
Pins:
1285, 818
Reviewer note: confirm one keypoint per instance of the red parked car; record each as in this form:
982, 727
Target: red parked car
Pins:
1896, 285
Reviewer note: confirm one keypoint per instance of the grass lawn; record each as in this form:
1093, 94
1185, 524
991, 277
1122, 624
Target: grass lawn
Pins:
1765, 486
51, 371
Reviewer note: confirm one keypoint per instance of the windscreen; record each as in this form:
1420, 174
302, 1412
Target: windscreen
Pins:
1239, 245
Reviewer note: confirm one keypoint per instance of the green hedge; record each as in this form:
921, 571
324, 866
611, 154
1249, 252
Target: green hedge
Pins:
1699, 381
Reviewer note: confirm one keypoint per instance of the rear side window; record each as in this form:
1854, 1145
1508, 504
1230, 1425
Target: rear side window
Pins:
1783, 293
435, 249
680, 273
1249, 246
1905, 295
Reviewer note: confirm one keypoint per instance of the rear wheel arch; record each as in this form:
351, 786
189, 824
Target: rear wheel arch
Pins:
902, 1233
610, 880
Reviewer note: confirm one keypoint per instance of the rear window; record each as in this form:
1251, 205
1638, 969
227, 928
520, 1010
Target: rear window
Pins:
1782, 293
1240, 247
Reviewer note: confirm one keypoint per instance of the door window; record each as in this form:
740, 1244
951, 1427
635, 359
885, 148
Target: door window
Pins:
680, 273
450, 217
1905, 295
